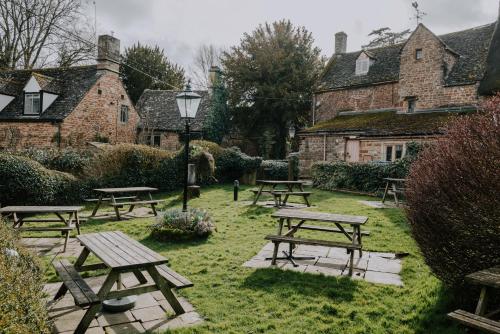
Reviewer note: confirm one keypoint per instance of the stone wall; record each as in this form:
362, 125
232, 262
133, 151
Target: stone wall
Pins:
97, 116
170, 141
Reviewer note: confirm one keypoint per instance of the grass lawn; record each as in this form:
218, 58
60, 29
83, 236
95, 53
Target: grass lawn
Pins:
235, 299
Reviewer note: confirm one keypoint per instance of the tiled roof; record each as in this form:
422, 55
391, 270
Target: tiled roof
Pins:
70, 84
387, 123
491, 82
471, 45
159, 108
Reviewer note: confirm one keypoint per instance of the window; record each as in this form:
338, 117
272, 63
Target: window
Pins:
32, 104
154, 140
394, 152
362, 66
418, 54
412, 102
124, 114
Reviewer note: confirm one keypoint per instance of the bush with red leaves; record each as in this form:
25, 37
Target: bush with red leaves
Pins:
453, 194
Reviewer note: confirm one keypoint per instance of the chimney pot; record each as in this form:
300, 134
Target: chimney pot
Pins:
213, 77
108, 53
340, 42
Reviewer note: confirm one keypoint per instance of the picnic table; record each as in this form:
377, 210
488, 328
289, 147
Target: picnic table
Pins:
340, 221
21, 214
393, 186
279, 188
132, 198
487, 279
120, 254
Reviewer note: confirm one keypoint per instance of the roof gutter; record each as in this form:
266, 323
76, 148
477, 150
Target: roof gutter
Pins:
326, 90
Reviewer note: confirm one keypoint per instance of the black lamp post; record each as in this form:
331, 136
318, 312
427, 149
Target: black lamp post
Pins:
188, 103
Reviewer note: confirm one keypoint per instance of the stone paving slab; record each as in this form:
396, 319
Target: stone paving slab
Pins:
379, 204
375, 267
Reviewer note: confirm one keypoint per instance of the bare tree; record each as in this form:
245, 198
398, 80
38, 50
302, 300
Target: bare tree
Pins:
35, 33
205, 57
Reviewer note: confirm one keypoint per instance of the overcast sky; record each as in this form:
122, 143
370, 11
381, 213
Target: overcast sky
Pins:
180, 26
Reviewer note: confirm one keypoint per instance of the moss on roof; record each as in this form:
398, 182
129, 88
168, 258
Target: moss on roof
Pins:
387, 123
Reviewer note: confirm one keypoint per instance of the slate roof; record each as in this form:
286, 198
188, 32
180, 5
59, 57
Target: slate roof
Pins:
471, 45
491, 82
387, 123
160, 107
70, 84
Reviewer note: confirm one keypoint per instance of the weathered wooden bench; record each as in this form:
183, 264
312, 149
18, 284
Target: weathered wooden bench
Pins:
174, 279
277, 239
277, 195
74, 283
328, 229
132, 204
109, 198
475, 321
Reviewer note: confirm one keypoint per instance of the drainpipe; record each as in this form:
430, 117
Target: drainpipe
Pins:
345, 148
324, 147
59, 139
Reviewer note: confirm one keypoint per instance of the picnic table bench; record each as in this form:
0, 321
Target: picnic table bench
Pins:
278, 194
488, 279
354, 234
120, 254
118, 202
394, 187
21, 214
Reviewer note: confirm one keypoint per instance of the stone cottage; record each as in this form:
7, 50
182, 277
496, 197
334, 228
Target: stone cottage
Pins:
371, 103
58, 107
161, 124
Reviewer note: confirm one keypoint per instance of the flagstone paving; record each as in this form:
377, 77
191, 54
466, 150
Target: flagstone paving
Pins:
375, 267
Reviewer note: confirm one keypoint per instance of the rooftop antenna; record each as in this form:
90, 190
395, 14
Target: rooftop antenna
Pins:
95, 18
419, 15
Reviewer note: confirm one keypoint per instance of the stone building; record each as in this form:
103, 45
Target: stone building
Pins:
59, 107
371, 103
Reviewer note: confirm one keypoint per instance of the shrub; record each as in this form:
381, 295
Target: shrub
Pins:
231, 164
22, 309
274, 169
365, 177
452, 193
28, 182
177, 225
66, 160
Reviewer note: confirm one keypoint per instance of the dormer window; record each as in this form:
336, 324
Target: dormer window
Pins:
32, 105
363, 63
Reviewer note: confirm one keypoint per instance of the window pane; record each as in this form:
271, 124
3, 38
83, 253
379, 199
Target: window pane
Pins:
388, 153
32, 103
399, 151
124, 114
157, 140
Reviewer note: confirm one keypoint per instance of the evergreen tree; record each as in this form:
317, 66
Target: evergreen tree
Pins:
146, 67
218, 120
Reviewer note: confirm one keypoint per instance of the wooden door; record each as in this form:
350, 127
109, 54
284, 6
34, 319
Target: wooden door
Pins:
352, 151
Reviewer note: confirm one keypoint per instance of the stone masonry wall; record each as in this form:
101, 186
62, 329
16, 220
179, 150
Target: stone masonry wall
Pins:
97, 115
170, 141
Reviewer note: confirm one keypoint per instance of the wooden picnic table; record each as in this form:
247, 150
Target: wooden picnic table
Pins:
393, 186
279, 188
21, 214
487, 279
118, 202
354, 234
120, 254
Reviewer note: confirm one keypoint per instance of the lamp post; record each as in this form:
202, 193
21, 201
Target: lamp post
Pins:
291, 135
188, 103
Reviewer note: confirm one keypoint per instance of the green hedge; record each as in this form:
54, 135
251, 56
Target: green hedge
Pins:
22, 310
26, 181
364, 177
68, 160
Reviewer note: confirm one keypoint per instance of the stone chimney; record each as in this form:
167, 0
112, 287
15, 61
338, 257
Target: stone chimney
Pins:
213, 78
340, 42
108, 53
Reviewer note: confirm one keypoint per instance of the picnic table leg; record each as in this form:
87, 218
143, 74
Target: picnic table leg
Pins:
166, 291
351, 260
117, 210
257, 196
93, 309
140, 277
395, 194
483, 301
98, 204
277, 244
77, 218
290, 189
358, 228
301, 187
153, 206
385, 191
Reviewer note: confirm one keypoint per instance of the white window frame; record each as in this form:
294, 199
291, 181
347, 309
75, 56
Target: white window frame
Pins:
124, 110
29, 104
393, 152
362, 66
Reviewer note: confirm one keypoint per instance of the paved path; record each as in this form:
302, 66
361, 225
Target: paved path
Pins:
372, 267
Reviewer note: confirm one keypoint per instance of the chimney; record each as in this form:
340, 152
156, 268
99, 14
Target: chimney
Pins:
340, 42
213, 78
108, 53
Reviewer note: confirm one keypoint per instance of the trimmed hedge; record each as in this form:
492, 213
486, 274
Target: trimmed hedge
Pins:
278, 169
26, 181
68, 160
22, 310
364, 177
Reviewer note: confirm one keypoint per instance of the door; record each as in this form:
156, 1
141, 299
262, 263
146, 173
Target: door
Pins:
352, 151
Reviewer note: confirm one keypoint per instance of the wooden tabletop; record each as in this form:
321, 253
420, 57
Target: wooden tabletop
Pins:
488, 277
39, 209
125, 190
117, 250
279, 182
320, 216
394, 179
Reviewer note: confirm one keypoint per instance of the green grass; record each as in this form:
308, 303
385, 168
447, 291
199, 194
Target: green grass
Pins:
235, 299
